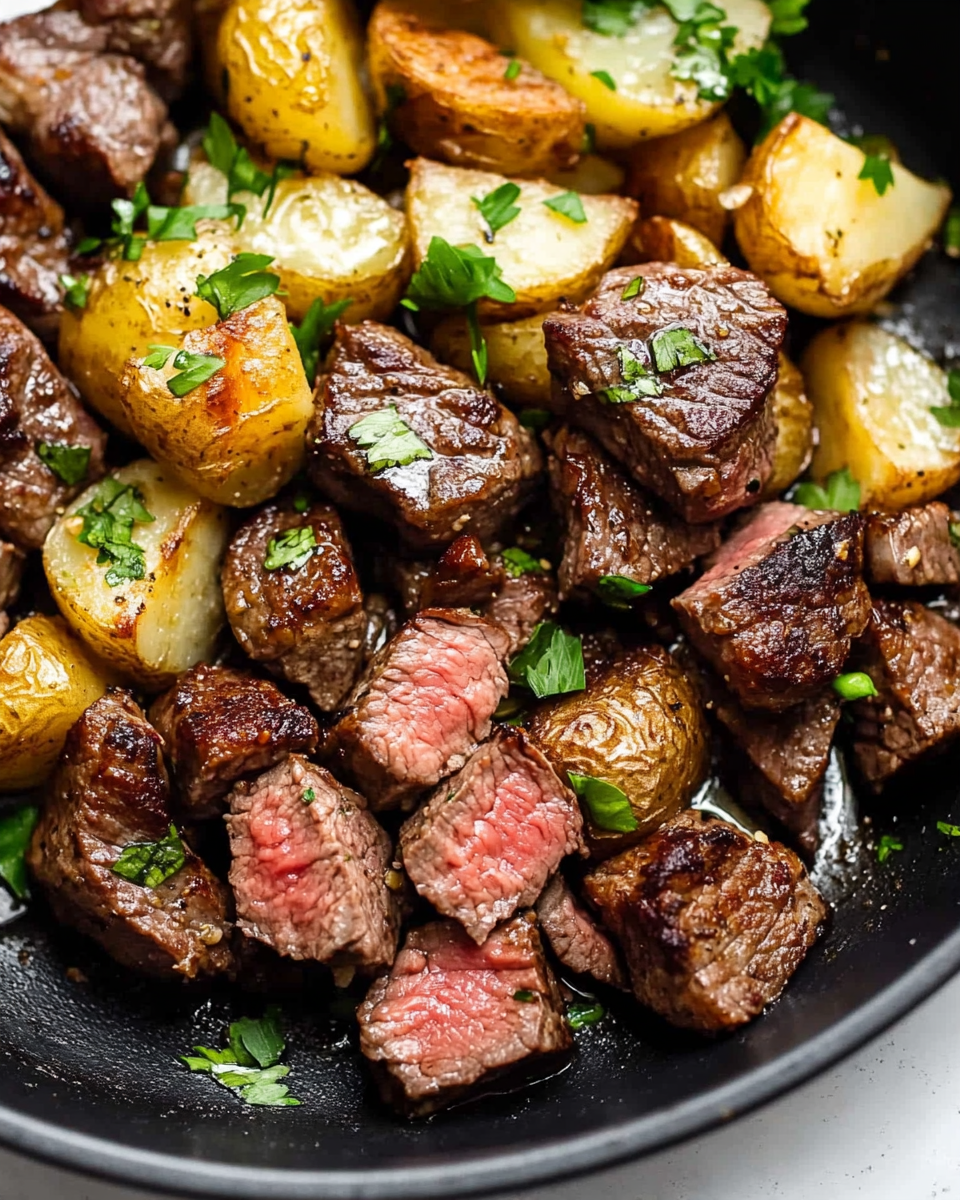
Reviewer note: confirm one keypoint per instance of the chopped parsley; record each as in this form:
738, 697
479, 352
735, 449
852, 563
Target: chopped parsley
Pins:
879, 171
551, 663
534, 418
396, 95
589, 145
195, 369
242, 283
703, 48
886, 846
569, 205
387, 440
250, 1066
309, 796
525, 996
613, 18
788, 17
108, 521
517, 562
952, 831
300, 504
498, 208
16, 829
949, 415
636, 287
76, 291
314, 331
293, 548
70, 464
233, 161
514, 67
581, 1013
841, 493
951, 233
855, 685
606, 79
617, 591
608, 806
638, 380
151, 863
180, 224
673, 348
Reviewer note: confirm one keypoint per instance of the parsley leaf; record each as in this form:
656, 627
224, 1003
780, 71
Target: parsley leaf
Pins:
762, 73
606, 79
581, 1013
76, 291
842, 493
517, 562
674, 348
638, 379
617, 591
195, 369
387, 440
525, 996
396, 95
569, 205
636, 287
263, 1039
949, 415
159, 356
855, 685
514, 67
16, 829
878, 170
242, 283
788, 17
608, 806
313, 332
886, 846
243, 174
126, 213
703, 47
613, 18
534, 418
180, 224
308, 796
70, 464
108, 520
250, 1066
151, 863
293, 548
948, 830
951, 233
589, 145
498, 208
551, 663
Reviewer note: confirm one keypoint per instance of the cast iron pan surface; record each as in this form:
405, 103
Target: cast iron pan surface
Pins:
89, 1073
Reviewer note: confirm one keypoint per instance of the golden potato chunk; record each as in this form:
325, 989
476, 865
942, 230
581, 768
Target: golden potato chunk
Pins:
456, 102
823, 239
872, 396
793, 414
517, 357
662, 239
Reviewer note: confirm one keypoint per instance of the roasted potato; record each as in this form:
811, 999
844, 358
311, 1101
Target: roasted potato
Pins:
149, 629
872, 394
639, 726
517, 357
662, 239
593, 175
239, 437
328, 237
293, 74
448, 97
793, 414
684, 175
824, 240
133, 304
545, 257
47, 679
648, 101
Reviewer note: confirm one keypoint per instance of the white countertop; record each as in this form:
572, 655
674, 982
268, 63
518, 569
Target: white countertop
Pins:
884, 1125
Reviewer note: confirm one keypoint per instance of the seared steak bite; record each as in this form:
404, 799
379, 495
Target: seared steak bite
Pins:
521, 604
452, 1018
711, 922
110, 792
776, 612
309, 866
221, 725
38, 407
298, 610
489, 838
918, 547
913, 657
613, 526
423, 705
575, 938
466, 465
673, 381
11, 568
157, 32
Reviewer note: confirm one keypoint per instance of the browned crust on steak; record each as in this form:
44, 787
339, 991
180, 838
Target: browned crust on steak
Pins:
575, 938
913, 548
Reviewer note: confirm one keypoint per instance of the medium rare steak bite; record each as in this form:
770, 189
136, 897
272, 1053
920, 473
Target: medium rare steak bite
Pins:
109, 792
299, 612
422, 707
453, 1019
156, 32
699, 434
11, 568
488, 839
37, 407
613, 526
712, 923
575, 937
467, 465
219, 725
912, 654
309, 866
918, 547
777, 610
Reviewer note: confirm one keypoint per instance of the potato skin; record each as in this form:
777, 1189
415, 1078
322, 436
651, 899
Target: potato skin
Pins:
133, 304
47, 679
517, 357
459, 106
638, 725
294, 72
683, 175
793, 414
663, 239
821, 238
239, 437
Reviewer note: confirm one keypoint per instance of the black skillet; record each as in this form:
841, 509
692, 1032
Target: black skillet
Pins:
89, 1075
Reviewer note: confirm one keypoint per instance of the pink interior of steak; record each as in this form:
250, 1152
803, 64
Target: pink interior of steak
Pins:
753, 541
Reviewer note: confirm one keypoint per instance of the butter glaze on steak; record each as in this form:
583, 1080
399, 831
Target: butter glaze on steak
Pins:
705, 445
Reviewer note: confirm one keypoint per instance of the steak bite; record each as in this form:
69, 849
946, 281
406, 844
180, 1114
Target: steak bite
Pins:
309, 866
219, 725
673, 381
489, 838
918, 547
712, 923
777, 610
402, 437
614, 527
110, 792
294, 601
521, 604
453, 1019
156, 32
422, 707
913, 657
38, 407
11, 568
575, 938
